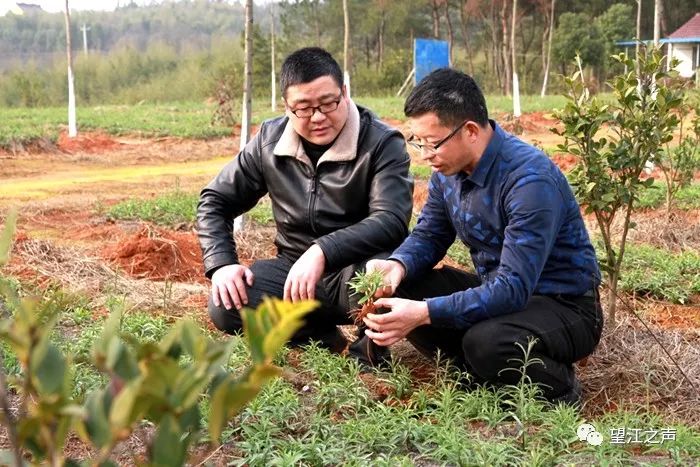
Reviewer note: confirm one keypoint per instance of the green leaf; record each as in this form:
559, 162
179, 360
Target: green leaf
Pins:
48, 369
228, 399
289, 321
96, 422
168, 448
120, 360
122, 413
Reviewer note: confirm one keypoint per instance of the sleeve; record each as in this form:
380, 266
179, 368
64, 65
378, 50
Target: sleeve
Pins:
432, 236
234, 191
534, 210
390, 207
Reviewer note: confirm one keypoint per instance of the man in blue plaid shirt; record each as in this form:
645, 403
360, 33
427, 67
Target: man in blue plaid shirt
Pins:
535, 271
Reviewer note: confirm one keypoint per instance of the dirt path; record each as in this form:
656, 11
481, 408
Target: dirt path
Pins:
62, 181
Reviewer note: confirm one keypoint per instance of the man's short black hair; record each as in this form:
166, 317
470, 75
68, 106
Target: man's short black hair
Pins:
307, 64
452, 95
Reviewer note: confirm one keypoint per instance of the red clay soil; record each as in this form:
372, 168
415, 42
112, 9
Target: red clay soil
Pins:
671, 316
93, 142
420, 195
566, 162
157, 254
533, 122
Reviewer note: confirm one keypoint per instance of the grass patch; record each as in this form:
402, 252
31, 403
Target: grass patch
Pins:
655, 197
422, 172
177, 207
392, 106
169, 209
655, 272
327, 415
186, 120
23, 126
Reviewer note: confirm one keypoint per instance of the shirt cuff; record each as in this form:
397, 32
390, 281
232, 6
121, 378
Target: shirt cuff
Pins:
440, 312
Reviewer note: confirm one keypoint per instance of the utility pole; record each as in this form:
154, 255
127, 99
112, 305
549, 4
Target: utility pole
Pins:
657, 22
72, 127
247, 89
346, 48
273, 80
85, 46
247, 73
516, 85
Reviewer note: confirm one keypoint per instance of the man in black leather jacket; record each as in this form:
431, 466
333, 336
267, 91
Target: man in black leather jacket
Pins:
341, 194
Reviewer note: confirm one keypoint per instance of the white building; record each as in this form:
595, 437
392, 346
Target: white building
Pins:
18, 9
684, 45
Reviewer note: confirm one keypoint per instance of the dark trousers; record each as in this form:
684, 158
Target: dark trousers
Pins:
567, 329
332, 292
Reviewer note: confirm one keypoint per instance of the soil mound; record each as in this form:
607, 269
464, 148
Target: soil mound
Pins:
86, 142
158, 254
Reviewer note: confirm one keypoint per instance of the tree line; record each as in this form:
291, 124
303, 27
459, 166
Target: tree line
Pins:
177, 50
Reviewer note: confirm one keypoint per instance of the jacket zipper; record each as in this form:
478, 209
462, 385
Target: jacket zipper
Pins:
313, 186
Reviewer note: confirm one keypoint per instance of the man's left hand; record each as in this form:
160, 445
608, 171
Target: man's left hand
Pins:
304, 275
391, 327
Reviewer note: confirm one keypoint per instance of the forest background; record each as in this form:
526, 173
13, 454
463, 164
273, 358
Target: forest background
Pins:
183, 50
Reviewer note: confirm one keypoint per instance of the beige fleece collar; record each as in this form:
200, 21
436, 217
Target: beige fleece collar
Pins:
344, 148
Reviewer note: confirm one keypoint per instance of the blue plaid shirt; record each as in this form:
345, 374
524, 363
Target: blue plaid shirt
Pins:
522, 224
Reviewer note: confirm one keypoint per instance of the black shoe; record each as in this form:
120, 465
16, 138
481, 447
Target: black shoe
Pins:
573, 396
369, 355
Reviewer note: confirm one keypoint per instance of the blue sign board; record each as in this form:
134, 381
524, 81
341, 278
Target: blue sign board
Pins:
429, 55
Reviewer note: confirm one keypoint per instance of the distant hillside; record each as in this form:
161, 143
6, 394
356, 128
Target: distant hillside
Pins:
190, 25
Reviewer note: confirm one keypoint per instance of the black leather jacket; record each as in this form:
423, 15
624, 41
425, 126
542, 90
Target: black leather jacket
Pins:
354, 204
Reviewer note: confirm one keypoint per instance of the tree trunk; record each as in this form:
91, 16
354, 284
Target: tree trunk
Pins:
273, 75
450, 32
662, 16
317, 24
465, 37
638, 36
346, 38
247, 74
504, 50
495, 53
657, 23
436, 18
514, 67
548, 56
72, 126
382, 25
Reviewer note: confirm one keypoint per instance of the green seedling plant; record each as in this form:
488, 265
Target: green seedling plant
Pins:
678, 164
613, 141
365, 284
160, 382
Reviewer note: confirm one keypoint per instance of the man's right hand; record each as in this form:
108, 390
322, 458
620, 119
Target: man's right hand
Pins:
228, 286
393, 272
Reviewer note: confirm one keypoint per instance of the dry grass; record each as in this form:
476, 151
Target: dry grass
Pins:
78, 271
630, 370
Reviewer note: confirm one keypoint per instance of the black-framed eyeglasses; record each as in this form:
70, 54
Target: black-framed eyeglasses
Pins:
433, 148
325, 108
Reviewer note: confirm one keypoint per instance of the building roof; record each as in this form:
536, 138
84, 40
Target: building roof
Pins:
688, 33
690, 30
29, 7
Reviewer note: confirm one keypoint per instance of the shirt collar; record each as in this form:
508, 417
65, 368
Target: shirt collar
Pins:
489, 156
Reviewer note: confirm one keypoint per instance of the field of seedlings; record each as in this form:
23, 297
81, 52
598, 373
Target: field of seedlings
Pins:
106, 225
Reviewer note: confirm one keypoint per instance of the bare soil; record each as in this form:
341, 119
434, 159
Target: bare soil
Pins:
63, 238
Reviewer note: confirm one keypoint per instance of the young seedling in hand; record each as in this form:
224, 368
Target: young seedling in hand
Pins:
365, 284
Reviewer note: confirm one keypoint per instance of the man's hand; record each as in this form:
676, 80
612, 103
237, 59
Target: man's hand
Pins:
228, 286
393, 272
304, 275
391, 327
